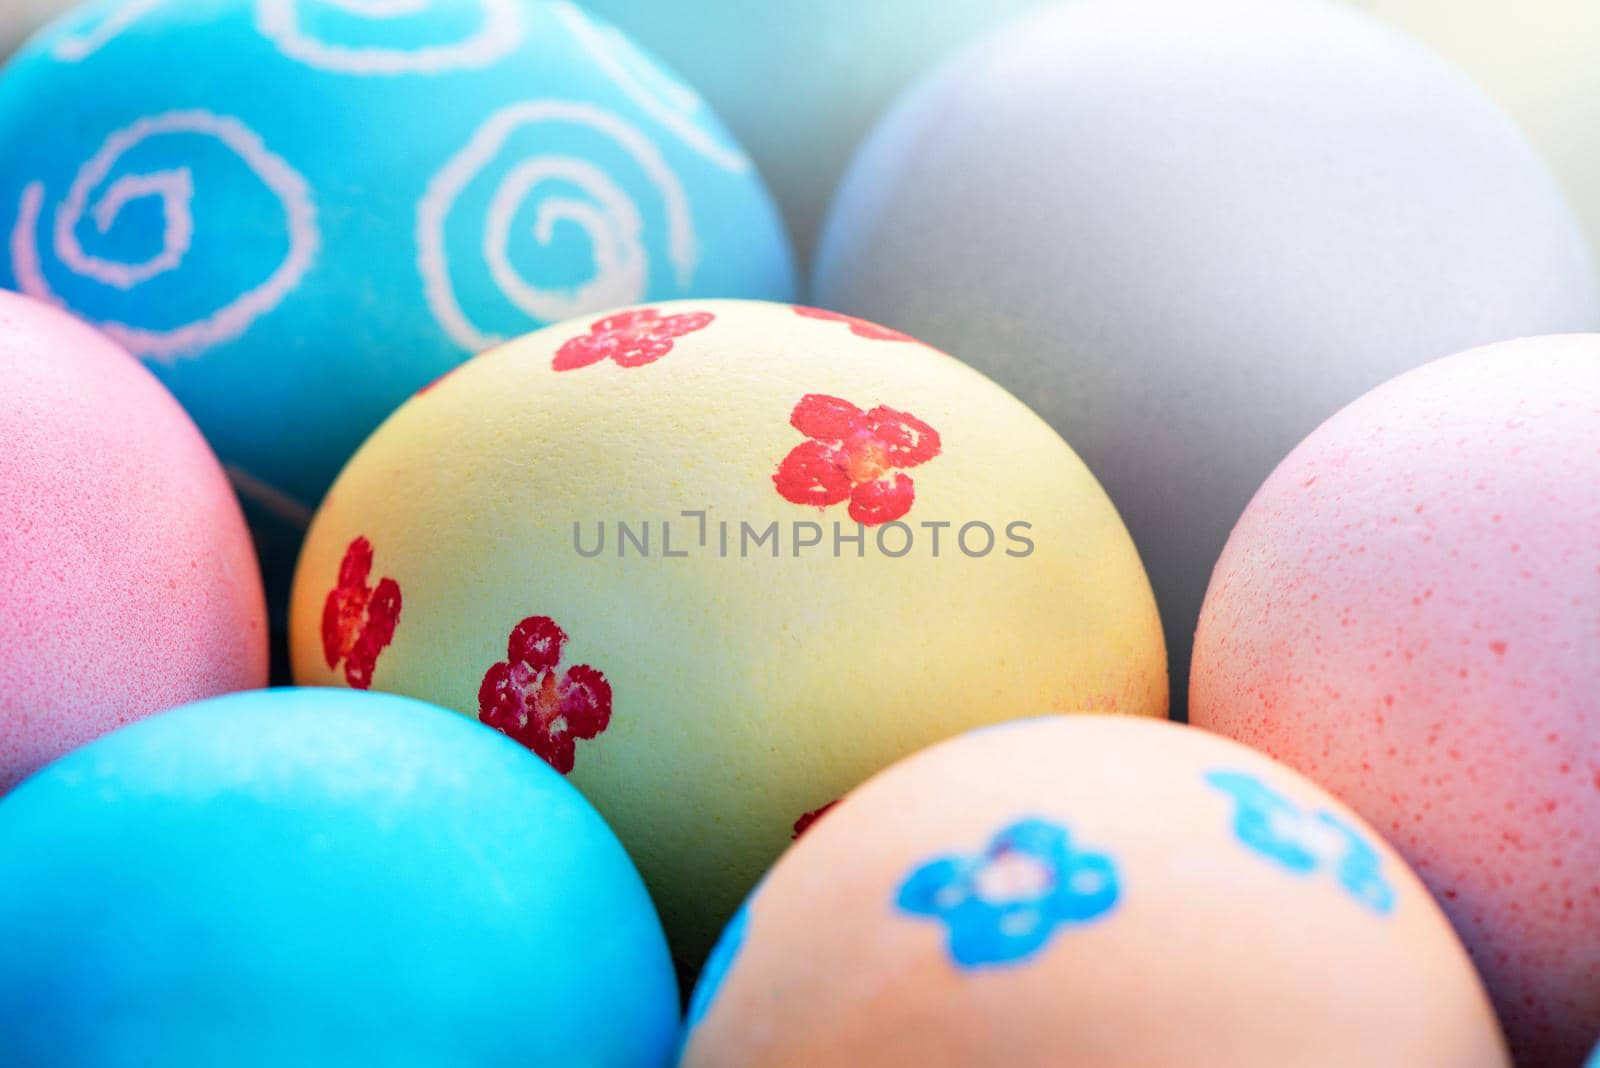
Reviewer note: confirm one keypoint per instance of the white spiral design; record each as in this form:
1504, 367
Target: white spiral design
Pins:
608, 217
87, 40
498, 36
174, 187
665, 99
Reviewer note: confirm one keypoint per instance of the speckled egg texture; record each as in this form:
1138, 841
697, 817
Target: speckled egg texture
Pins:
127, 580
1409, 613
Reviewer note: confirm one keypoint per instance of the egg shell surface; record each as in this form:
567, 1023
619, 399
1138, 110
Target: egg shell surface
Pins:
298, 212
127, 580
1409, 613
1536, 58
321, 876
1097, 891
707, 700
1186, 233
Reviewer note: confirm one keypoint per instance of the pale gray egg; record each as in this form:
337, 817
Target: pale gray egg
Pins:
1186, 233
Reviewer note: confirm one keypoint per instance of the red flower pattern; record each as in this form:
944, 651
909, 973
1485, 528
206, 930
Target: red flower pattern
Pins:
804, 823
853, 455
526, 698
629, 339
358, 621
858, 327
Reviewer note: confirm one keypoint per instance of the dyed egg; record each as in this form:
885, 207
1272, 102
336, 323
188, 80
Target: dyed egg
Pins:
720, 561
1409, 613
1187, 233
1536, 58
317, 877
127, 581
1094, 891
241, 192
802, 81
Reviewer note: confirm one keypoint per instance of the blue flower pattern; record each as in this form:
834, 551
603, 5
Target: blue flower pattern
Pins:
1305, 842
1006, 904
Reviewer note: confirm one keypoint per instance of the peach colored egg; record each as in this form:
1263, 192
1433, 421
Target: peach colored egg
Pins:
1097, 892
1409, 613
128, 583
707, 690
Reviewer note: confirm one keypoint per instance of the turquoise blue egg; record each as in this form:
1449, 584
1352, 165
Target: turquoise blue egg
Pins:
800, 82
320, 877
299, 212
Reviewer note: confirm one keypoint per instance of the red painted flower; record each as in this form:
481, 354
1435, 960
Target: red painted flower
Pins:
858, 327
804, 823
630, 338
358, 620
853, 455
526, 698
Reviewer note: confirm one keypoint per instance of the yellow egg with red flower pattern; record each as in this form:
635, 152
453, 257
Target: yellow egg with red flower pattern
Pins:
719, 561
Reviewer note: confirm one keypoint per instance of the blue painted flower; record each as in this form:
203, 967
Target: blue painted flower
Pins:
1304, 842
1005, 904
717, 966
1358, 869
1265, 820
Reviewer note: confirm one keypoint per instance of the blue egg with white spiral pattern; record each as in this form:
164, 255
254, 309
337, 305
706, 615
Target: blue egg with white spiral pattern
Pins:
298, 212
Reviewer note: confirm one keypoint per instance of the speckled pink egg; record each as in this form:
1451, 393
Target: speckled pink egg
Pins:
1409, 613
128, 583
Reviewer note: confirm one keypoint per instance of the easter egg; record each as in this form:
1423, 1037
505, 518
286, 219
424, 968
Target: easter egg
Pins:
321, 877
1409, 613
1096, 891
300, 211
1537, 59
127, 580
800, 82
1186, 234
719, 561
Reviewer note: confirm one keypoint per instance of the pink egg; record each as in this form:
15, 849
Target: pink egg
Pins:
128, 583
1409, 613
